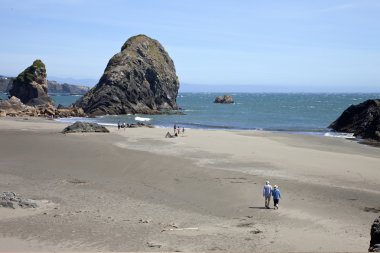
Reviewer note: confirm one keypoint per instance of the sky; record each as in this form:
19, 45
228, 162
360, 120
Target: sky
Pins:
317, 46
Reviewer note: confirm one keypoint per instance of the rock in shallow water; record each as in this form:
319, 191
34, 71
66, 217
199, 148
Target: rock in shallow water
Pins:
363, 120
226, 99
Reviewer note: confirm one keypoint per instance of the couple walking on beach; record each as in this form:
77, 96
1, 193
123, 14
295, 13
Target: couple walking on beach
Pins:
268, 191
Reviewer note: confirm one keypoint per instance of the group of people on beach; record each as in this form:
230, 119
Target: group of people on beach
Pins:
121, 125
268, 192
177, 131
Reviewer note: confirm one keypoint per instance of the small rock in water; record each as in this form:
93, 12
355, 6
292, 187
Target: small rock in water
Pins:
226, 99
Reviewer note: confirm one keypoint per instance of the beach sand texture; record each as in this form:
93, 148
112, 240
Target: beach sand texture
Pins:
134, 190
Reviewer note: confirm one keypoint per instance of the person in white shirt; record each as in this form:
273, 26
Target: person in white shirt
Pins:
267, 192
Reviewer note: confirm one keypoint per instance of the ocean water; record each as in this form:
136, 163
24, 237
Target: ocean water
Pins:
289, 112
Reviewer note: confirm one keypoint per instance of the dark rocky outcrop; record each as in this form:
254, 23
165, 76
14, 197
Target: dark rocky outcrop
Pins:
226, 99
85, 127
30, 86
374, 245
139, 79
139, 124
29, 97
363, 120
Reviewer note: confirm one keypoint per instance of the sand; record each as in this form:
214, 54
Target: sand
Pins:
134, 190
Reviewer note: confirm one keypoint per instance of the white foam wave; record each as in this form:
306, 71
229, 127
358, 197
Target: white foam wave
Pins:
107, 124
340, 135
142, 119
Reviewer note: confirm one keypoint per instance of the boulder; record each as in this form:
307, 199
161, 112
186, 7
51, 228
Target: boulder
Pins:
374, 245
363, 120
12, 200
139, 79
226, 99
30, 86
85, 127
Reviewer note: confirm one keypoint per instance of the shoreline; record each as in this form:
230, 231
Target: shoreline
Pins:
134, 190
316, 132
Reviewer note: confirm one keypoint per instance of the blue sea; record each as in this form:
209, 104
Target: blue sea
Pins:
289, 112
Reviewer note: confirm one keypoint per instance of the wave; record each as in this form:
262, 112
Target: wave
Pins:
211, 126
142, 119
340, 135
73, 120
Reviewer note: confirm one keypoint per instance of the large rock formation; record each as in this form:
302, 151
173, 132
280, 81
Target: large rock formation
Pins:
226, 99
139, 79
31, 85
374, 245
363, 120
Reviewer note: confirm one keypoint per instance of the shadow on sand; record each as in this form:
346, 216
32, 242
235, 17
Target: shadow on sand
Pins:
257, 207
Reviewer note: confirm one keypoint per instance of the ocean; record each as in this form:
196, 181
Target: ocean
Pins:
289, 112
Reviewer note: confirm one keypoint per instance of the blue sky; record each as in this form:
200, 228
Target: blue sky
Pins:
324, 45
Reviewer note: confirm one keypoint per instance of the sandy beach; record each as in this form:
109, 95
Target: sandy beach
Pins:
134, 190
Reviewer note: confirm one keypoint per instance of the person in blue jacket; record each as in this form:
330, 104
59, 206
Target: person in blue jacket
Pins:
276, 196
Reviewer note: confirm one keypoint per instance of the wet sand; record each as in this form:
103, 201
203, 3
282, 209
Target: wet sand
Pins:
134, 190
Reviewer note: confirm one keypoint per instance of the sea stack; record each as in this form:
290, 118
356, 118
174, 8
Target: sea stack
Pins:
363, 120
31, 86
139, 79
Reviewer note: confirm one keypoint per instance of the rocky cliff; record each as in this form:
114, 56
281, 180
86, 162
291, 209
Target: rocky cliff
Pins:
139, 79
30, 86
363, 120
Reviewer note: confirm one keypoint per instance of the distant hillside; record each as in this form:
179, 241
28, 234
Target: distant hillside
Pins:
5, 83
53, 87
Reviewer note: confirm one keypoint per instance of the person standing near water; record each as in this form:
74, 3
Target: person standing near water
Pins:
267, 191
276, 196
